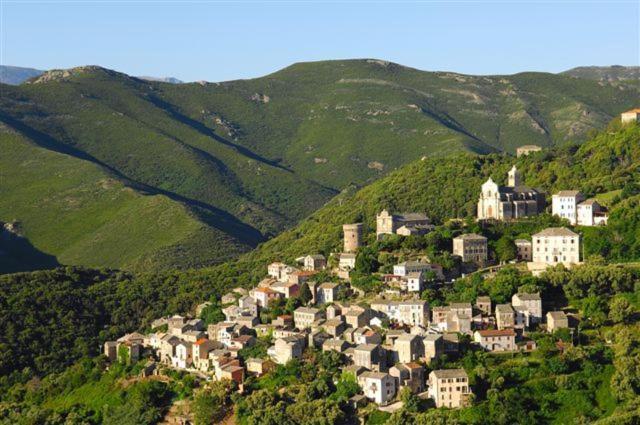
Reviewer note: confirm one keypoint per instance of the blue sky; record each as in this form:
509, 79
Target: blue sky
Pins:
216, 41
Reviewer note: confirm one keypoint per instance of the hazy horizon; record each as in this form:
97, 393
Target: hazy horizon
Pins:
221, 41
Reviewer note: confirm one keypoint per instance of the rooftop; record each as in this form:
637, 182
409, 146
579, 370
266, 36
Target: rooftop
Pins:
470, 237
555, 231
568, 193
450, 373
496, 332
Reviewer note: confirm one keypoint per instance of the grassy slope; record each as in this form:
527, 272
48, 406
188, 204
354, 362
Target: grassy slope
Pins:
74, 210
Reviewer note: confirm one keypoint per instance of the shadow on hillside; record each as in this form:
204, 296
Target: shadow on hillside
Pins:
214, 217
206, 131
17, 254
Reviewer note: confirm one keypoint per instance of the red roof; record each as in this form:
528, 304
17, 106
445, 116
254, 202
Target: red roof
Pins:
201, 341
496, 332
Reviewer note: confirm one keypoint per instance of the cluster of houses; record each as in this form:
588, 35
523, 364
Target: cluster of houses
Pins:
385, 342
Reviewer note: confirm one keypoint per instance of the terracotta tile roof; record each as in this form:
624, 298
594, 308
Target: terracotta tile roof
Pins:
496, 332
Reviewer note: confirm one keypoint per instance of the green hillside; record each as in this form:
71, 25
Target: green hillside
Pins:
83, 215
252, 158
448, 188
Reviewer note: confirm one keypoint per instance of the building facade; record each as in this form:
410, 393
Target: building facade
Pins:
508, 202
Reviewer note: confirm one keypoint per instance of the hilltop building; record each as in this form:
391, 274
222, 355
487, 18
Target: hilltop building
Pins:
509, 202
471, 248
527, 149
401, 224
556, 245
630, 116
352, 237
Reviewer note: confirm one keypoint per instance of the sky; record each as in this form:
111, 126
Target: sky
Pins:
225, 40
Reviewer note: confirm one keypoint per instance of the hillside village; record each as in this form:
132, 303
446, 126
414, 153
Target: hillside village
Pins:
389, 339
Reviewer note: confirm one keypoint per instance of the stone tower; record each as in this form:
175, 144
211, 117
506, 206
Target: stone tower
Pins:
515, 178
352, 236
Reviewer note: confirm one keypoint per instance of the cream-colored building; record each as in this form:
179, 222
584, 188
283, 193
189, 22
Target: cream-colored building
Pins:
449, 387
527, 149
556, 245
557, 320
409, 348
287, 348
509, 202
352, 237
630, 116
496, 340
303, 317
471, 248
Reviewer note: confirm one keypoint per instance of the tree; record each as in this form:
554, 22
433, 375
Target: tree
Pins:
620, 310
367, 260
410, 401
305, 294
505, 249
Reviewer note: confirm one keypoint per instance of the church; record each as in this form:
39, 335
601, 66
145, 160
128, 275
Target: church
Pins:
509, 202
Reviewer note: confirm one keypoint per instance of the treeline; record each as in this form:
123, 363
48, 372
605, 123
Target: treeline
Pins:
49, 319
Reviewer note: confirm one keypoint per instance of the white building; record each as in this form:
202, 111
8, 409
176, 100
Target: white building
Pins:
347, 261
591, 213
532, 303
414, 281
564, 204
508, 202
378, 387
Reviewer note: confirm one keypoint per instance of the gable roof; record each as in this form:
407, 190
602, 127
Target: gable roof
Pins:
556, 231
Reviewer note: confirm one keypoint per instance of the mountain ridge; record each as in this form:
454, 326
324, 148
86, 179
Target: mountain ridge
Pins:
256, 156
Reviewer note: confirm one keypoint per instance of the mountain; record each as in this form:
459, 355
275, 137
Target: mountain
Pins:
605, 73
251, 158
17, 75
171, 80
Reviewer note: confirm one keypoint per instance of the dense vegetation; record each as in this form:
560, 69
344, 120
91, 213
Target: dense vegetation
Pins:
241, 161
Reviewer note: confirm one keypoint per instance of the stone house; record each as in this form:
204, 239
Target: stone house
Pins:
111, 350
370, 356
496, 340
532, 303
335, 326
524, 250
366, 336
433, 346
357, 317
303, 317
411, 223
484, 305
557, 320
458, 322
410, 375
471, 248
315, 262
378, 387
413, 312
408, 348
287, 289
505, 316
449, 388
327, 292
288, 348
259, 366
414, 281
335, 344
